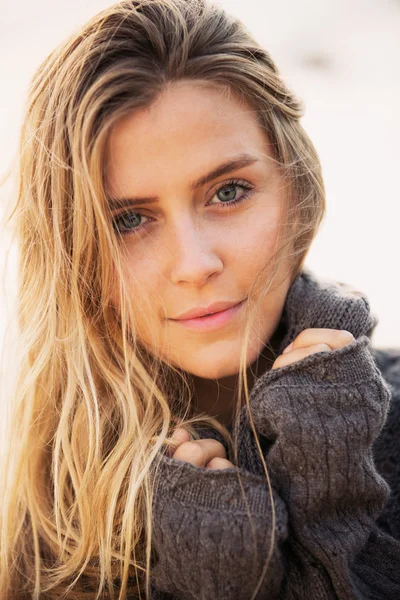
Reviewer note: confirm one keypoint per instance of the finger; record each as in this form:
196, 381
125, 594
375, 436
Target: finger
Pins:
295, 355
219, 463
200, 452
179, 436
335, 338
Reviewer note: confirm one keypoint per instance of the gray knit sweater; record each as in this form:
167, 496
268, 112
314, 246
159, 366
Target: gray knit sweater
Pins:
328, 426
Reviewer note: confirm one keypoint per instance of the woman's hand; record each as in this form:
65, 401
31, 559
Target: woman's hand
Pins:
208, 453
311, 341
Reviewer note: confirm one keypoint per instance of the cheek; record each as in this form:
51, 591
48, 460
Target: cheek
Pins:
139, 270
142, 286
255, 243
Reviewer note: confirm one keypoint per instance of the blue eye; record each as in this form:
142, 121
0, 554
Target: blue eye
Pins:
126, 220
231, 187
132, 222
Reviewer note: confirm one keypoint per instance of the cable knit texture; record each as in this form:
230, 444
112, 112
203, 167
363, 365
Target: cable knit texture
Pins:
327, 425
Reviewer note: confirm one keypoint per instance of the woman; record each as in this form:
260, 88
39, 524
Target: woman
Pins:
157, 452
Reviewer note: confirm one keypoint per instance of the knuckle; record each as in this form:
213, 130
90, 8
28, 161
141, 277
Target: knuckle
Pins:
278, 362
189, 451
214, 462
216, 448
322, 347
218, 463
303, 335
219, 447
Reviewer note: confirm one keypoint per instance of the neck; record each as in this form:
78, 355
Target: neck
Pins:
218, 397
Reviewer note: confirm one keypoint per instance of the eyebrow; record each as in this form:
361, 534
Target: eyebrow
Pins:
240, 161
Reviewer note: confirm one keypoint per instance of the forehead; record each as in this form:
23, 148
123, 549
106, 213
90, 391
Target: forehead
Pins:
191, 126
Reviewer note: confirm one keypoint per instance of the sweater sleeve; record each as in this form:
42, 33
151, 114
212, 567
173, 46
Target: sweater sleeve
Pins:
324, 413
204, 543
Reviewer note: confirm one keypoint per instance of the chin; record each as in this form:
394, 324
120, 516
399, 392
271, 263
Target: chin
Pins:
216, 365
213, 371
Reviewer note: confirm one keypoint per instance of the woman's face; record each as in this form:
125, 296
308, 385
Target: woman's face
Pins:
197, 230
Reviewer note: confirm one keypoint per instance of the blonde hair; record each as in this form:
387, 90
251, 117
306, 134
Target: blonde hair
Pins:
92, 410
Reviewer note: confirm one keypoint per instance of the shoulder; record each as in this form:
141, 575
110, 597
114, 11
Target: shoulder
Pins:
386, 448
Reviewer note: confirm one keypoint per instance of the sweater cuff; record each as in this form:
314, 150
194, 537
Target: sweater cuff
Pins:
345, 366
213, 489
207, 542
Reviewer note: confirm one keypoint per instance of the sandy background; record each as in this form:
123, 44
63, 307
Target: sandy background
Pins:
342, 58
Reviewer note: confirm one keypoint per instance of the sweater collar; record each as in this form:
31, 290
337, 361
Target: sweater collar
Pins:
313, 302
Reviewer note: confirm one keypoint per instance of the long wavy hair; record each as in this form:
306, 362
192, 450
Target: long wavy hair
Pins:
92, 411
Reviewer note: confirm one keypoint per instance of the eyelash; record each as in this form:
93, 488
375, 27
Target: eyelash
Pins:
226, 205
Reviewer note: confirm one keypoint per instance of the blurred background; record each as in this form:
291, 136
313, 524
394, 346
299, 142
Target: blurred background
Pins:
342, 57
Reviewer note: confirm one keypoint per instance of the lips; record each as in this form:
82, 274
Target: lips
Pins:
203, 311
212, 323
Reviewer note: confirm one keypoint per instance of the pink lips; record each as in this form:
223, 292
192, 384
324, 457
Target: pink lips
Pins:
211, 322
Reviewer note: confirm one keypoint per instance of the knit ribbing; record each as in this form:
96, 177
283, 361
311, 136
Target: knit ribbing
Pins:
201, 526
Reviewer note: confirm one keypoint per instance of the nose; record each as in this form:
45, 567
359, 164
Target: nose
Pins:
193, 253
